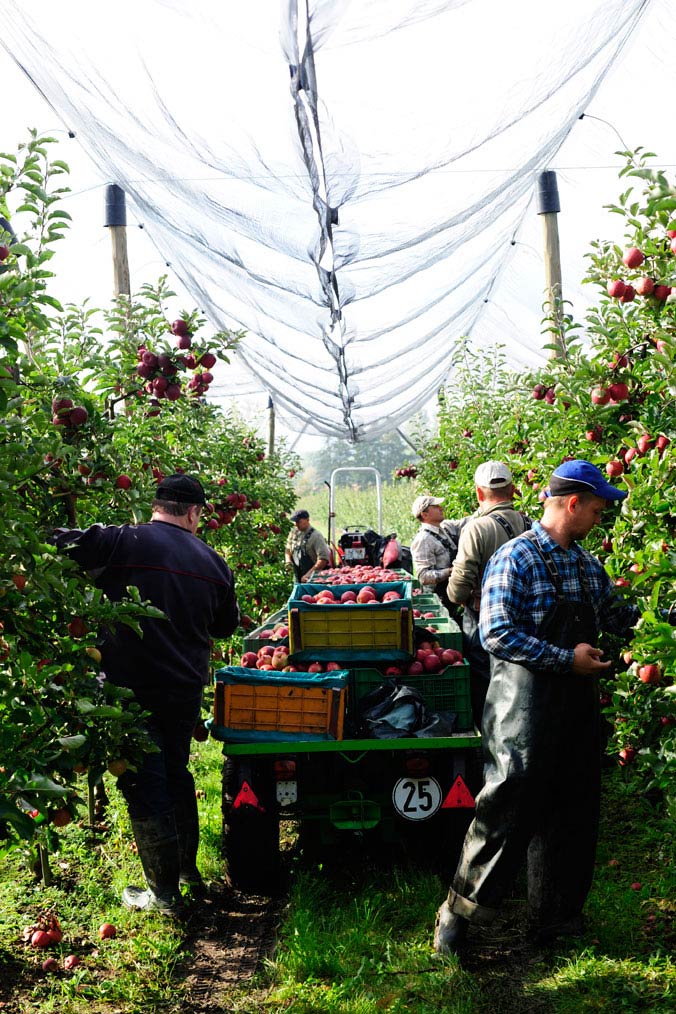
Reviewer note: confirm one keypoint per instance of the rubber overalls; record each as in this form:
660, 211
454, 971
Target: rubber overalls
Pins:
542, 779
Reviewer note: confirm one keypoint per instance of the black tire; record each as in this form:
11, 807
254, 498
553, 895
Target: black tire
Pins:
251, 835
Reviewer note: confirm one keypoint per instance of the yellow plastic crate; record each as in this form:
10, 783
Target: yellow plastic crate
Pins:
345, 633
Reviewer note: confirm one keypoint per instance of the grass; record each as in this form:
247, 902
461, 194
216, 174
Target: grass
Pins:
356, 934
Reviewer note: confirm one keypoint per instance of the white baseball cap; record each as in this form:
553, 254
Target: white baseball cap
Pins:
493, 475
421, 503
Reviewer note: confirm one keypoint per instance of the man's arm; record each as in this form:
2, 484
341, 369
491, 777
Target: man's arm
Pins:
91, 548
227, 617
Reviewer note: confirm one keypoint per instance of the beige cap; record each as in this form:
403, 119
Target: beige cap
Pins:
493, 475
421, 503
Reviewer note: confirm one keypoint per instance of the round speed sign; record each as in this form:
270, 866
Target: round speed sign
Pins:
417, 798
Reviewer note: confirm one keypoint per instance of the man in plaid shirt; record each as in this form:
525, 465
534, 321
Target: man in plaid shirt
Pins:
544, 600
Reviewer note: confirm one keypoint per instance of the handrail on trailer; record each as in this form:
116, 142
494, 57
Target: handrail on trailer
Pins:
332, 490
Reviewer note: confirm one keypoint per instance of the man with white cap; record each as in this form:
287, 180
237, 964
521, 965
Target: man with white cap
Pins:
544, 601
434, 547
496, 523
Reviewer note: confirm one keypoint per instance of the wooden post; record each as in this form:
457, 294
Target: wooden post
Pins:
271, 427
548, 205
116, 221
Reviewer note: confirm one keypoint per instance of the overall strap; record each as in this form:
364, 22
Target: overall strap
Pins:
552, 569
445, 542
504, 524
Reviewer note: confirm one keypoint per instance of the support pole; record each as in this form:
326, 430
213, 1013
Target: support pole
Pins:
548, 205
116, 221
406, 440
271, 427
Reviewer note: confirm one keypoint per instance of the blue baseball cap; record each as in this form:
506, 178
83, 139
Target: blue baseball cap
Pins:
581, 476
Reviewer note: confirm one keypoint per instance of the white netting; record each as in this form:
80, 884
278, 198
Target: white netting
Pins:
342, 180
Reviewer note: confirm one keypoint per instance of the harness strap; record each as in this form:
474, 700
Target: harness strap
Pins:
553, 571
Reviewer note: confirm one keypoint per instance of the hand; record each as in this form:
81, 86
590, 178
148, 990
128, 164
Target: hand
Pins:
246, 622
587, 660
307, 577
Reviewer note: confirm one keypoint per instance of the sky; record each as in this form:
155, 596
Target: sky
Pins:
633, 107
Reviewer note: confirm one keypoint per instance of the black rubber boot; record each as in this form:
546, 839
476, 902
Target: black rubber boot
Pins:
157, 844
450, 931
187, 826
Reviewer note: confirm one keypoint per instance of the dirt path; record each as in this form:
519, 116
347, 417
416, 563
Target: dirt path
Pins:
229, 935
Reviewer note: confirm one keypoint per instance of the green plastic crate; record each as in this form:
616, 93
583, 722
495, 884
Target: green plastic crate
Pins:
253, 641
444, 691
447, 632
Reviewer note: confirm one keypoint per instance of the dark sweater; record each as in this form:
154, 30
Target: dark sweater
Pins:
177, 573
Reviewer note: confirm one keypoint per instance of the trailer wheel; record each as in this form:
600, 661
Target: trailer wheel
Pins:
250, 832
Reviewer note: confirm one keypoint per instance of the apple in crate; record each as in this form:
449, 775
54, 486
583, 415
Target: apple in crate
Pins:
390, 596
280, 658
451, 656
365, 595
315, 667
432, 663
348, 596
415, 669
394, 670
333, 666
249, 659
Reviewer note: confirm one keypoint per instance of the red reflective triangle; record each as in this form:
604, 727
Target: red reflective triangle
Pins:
459, 796
247, 797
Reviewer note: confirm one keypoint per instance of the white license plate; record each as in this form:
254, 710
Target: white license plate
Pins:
287, 793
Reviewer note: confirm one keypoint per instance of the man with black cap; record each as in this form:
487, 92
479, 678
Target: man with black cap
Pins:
306, 548
544, 601
166, 669
496, 522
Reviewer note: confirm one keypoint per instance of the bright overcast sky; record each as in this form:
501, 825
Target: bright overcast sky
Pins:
635, 100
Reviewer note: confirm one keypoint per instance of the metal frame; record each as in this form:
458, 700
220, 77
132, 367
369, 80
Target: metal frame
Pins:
332, 491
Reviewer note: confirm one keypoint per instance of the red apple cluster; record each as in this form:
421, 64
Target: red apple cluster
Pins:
406, 472
357, 575
65, 413
542, 393
625, 292
367, 595
611, 395
224, 513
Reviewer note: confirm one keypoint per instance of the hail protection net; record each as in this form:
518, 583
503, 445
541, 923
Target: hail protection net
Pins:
342, 180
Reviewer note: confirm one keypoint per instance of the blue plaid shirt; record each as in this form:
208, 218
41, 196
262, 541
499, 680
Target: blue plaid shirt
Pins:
517, 591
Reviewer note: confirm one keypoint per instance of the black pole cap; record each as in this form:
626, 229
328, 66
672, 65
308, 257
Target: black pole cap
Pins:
548, 193
116, 208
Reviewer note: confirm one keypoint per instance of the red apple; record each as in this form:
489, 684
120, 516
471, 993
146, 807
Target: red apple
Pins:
107, 931
628, 294
432, 663
61, 817
200, 733
248, 659
179, 327
662, 292
614, 468
633, 257
78, 416
123, 482
600, 396
415, 669
77, 627
539, 392
315, 667
71, 961
645, 286
627, 755
618, 392
4, 252
644, 443
49, 965
616, 288
649, 673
